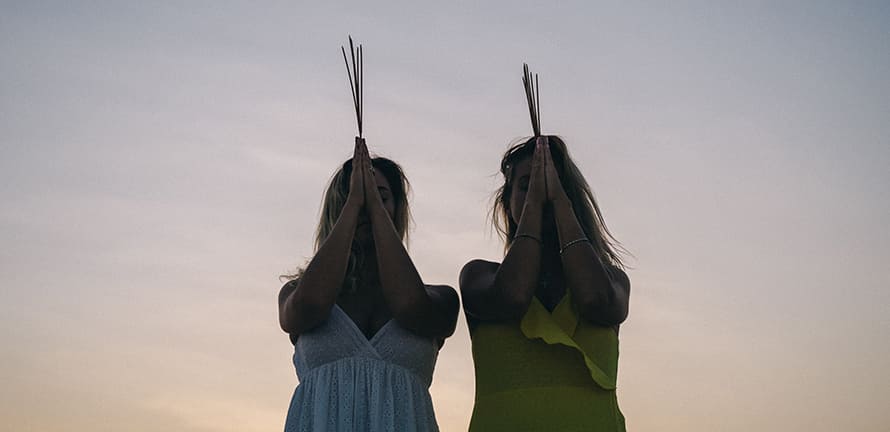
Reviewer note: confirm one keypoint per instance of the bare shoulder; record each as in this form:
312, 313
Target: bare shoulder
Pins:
619, 276
476, 280
286, 290
475, 270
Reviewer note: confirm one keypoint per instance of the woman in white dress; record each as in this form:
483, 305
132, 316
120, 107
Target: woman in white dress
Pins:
366, 329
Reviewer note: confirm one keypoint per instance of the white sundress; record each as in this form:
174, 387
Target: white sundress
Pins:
350, 383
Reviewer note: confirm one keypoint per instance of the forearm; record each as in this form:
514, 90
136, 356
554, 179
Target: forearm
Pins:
517, 277
585, 274
401, 283
319, 285
403, 289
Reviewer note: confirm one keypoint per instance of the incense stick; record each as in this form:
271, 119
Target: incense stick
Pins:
533, 97
355, 74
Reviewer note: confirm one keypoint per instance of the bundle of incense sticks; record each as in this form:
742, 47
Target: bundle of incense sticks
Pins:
355, 79
532, 95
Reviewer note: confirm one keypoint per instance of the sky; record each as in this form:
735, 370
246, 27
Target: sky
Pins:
162, 163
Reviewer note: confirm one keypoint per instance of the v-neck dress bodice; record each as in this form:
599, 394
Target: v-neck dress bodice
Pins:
351, 383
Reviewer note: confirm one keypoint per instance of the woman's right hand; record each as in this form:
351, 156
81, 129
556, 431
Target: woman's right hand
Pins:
356, 197
536, 196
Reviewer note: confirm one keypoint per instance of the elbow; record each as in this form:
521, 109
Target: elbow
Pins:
287, 319
301, 313
426, 322
603, 311
514, 306
428, 327
512, 298
404, 310
283, 322
434, 317
607, 306
604, 316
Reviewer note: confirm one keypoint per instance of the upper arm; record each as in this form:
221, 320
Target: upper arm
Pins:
621, 284
447, 304
283, 294
297, 315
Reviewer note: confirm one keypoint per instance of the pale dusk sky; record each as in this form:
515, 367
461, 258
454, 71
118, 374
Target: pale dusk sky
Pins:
162, 163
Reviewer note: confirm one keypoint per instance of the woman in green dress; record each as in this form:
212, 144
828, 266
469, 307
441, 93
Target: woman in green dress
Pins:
544, 322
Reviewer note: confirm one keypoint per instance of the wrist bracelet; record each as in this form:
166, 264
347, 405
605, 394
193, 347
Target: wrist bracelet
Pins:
519, 236
573, 242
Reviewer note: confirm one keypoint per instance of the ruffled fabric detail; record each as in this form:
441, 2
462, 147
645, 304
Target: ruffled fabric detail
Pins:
559, 328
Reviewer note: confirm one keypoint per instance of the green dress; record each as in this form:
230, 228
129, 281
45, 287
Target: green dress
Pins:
551, 372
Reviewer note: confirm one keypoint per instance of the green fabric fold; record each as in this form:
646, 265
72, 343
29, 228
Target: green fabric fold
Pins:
559, 328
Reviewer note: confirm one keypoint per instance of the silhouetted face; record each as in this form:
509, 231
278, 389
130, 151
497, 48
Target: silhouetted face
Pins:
521, 173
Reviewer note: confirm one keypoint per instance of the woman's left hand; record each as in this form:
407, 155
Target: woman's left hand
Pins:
373, 202
555, 192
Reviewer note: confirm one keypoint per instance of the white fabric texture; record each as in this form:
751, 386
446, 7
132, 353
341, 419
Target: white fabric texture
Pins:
350, 383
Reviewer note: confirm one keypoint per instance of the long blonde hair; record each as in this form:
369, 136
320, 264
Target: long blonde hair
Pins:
335, 198
583, 202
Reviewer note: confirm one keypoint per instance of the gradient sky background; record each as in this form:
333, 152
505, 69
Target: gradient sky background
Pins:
161, 164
